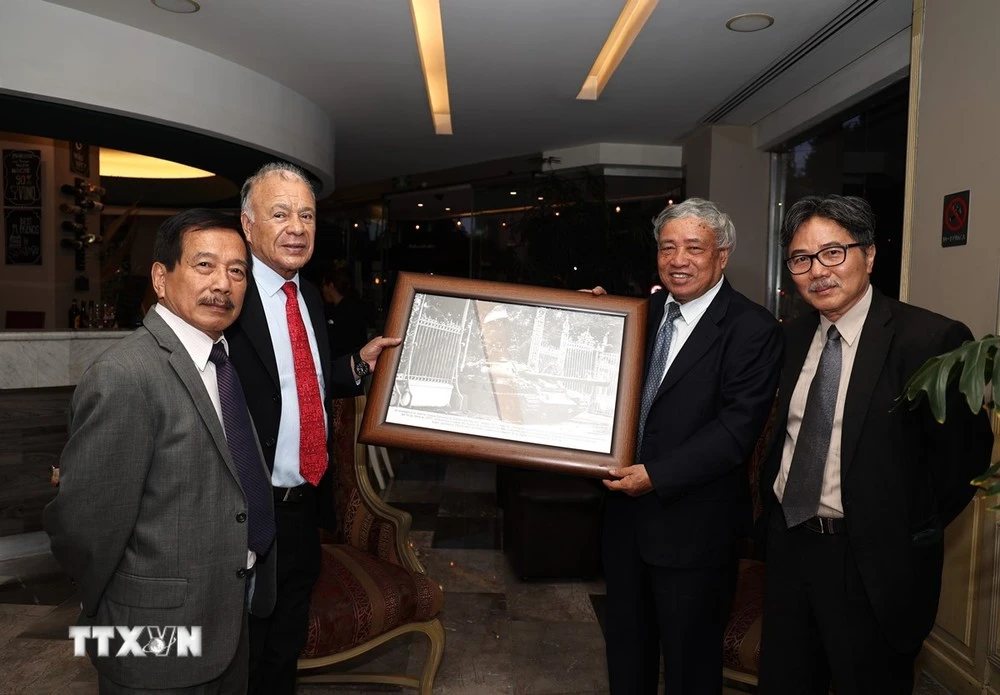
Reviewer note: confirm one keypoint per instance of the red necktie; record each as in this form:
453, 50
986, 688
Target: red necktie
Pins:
312, 434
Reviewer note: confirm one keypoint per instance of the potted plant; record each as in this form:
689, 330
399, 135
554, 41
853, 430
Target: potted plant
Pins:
976, 366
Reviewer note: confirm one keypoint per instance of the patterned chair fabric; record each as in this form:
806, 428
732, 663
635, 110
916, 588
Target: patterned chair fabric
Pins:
359, 596
741, 645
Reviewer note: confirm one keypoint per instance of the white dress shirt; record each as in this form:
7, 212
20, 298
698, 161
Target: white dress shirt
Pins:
286, 452
850, 326
199, 346
691, 313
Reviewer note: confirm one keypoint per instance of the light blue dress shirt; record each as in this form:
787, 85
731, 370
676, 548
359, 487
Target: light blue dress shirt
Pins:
286, 453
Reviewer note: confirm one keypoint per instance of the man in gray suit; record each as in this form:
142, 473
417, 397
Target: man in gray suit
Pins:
164, 517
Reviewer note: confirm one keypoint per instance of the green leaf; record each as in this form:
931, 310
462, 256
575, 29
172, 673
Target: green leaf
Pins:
972, 383
993, 490
984, 479
934, 376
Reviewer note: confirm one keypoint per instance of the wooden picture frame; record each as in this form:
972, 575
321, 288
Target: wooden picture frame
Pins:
528, 376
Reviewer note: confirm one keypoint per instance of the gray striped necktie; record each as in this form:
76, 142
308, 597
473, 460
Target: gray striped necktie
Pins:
657, 367
805, 476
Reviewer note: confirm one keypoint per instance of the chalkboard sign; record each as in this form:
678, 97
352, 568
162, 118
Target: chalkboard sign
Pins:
23, 237
22, 178
79, 158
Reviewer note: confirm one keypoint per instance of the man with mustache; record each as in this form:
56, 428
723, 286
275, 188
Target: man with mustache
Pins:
164, 514
857, 491
281, 354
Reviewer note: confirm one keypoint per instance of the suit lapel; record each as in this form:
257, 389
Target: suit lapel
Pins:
875, 338
701, 339
181, 363
314, 303
798, 338
254, 325
656, 306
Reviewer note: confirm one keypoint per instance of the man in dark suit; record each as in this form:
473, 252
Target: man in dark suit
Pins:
281, 353
151, 520
857, 491
675, 519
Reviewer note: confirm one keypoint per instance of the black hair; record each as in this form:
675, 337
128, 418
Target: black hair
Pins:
850, 212
169, 237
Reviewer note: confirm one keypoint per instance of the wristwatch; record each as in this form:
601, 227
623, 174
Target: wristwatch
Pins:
361, 368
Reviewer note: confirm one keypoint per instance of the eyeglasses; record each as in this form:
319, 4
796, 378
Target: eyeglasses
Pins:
830, 256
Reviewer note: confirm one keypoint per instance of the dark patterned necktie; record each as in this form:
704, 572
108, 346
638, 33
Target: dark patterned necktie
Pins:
805, 476
243, 451
657, 367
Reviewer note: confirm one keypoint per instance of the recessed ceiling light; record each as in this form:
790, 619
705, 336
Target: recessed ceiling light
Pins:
513, 192
177, 6
447, 209
541, 197
420, 205
751, 21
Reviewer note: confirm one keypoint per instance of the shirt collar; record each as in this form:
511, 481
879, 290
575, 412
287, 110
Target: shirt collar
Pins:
851, 323
696, 307
197, 343
269, 282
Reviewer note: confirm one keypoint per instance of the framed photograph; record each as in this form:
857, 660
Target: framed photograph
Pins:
527, 376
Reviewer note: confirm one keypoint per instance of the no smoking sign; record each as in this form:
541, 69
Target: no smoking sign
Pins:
955, 220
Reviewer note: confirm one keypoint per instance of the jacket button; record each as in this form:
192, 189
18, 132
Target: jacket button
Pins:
275, 398
241, 517
269, 442
241, 573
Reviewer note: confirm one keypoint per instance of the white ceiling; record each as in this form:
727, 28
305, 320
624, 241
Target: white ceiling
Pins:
514, 68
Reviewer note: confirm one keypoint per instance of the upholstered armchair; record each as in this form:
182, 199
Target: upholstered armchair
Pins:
372, 587
741, 645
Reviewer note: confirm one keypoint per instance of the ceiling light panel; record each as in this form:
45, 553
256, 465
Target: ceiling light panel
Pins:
430, 44
630, 22
138, 166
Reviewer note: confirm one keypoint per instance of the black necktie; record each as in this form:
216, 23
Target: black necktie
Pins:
805, 476
243, 450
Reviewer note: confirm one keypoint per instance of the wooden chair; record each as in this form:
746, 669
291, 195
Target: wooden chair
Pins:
371, 588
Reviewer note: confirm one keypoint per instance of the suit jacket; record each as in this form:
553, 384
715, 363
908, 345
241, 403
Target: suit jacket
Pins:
253, 356
701, 429
904, 477
149, 519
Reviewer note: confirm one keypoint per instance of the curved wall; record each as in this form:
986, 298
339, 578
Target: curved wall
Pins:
58, 54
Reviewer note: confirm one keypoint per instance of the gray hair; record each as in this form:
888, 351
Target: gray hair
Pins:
704, 210
287, 171
850, 212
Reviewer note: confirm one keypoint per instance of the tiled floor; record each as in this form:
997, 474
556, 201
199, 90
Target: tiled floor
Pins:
504, 635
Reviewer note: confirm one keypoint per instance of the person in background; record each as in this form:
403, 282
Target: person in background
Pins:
279, 347
346, 314
675, 519
164, 514
857, 491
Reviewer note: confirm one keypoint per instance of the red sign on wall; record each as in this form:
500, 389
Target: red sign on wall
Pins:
955, 221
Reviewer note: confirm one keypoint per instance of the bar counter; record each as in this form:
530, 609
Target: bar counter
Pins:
43, 359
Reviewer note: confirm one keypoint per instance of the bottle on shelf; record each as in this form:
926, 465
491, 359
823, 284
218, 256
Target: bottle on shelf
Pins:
74, 227
74, 314
84, 316
75, 244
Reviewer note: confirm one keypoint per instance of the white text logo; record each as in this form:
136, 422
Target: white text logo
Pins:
145, 640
